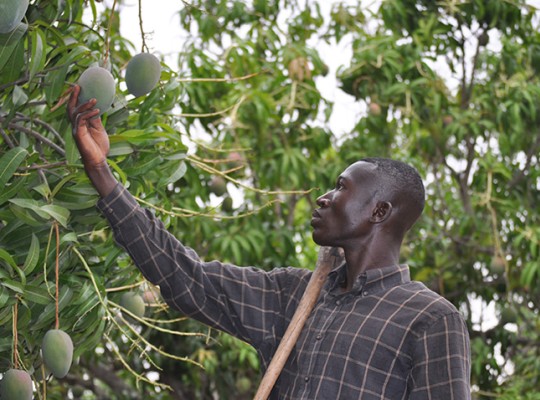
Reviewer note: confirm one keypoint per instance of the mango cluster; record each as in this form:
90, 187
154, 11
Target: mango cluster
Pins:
142, 75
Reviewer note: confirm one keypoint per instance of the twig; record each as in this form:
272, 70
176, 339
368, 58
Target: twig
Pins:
15, 334
183, 212
206, 115
204, 167
108, 34
57, 274
124, 332
50, 128
44, 166
125, 287
128, 367
157, 328
6, 138
228, 80
39, 137
143, 41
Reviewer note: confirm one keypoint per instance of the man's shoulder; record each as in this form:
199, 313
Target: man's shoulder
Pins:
431, 305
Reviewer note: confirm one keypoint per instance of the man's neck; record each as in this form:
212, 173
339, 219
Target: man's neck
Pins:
375, 254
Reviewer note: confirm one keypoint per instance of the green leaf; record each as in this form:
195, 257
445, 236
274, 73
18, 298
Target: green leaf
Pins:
60, 214
32, 256
120, 149
19, 96
31, 205
13, 285
4, 255
177, 174
47, 316
37, 294
54, 83
37, 56
11, 190
9, 164
9, 41
4, 296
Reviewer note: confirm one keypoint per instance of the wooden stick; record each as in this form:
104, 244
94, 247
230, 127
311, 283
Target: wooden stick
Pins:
326, 260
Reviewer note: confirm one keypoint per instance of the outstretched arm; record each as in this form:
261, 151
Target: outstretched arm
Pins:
92, 141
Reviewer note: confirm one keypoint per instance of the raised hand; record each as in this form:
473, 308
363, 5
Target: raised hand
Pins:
90, 135
92, 141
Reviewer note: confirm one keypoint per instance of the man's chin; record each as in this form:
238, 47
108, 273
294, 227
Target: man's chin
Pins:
320, 241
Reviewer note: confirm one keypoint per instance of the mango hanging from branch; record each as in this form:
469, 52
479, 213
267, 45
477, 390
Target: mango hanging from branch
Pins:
16, 385
142, 74
57, 351
97, 83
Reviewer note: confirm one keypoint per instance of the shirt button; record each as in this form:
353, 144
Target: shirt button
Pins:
306, 379
365, 292
338, 302
318, 337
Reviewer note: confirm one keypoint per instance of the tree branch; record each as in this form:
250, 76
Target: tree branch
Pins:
111, 379
6, 138
50, 128
39, 137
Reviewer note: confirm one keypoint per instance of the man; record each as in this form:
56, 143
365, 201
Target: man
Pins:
373, 334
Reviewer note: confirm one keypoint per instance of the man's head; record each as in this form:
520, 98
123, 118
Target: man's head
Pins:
402, 185
371, 194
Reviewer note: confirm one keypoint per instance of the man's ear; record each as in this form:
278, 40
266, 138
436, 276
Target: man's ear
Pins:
381, 212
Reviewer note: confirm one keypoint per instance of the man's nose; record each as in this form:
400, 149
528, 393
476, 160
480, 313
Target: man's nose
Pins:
323, 201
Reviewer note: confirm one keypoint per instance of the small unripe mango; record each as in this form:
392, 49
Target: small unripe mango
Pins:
57, 351
16, 385
133, 303
97, 83
217, 185
142, 74
227, 204
11, 14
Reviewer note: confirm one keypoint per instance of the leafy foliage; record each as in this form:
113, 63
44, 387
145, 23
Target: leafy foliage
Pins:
457, 87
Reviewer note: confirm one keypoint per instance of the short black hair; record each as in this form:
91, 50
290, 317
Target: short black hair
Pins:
405, 179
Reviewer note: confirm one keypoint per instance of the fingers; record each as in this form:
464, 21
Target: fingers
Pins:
72, 102
75, 110
82, 119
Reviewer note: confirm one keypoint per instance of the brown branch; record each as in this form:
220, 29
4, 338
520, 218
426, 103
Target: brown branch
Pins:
111, 379
57, 276
39, 137
6, 138
463, 66
43, 166
461, 178
50, 128
143, 41
88, 384
468, 90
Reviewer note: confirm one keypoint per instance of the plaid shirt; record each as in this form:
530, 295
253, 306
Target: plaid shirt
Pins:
389, 338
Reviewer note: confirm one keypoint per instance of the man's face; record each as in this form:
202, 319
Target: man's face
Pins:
344, 213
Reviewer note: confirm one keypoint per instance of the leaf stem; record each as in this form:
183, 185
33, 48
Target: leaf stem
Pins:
57, 275
15, 334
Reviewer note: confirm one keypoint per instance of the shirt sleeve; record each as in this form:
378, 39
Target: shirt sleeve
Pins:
246, 302
441, 362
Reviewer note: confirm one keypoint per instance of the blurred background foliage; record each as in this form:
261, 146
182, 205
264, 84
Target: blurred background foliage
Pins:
232, 149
